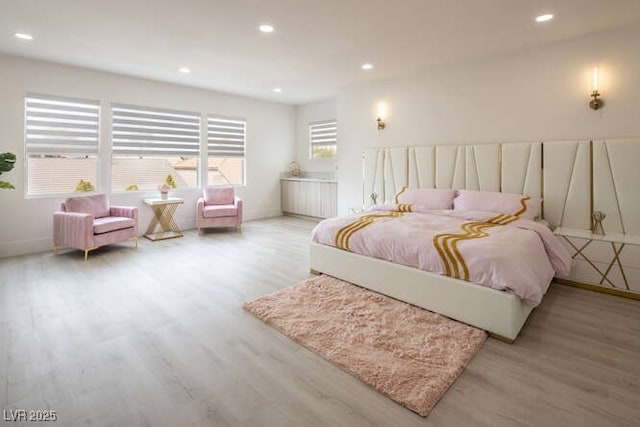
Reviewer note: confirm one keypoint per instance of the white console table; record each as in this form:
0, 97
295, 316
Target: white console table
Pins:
610, 261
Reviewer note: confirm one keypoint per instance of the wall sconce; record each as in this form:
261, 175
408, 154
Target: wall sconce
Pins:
596, 102
382, 114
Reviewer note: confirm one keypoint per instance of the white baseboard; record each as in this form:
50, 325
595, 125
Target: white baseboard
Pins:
32, 246
25, 247
260, 214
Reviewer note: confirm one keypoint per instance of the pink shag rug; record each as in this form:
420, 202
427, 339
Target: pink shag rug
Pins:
409, 354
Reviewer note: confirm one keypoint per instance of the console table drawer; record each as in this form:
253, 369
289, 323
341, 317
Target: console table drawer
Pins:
608, 261
600, 251
583, 272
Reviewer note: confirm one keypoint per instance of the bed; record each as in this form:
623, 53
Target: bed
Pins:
499, 311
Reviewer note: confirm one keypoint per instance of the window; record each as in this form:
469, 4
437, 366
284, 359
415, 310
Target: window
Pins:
322, 138
226, 140
153, 146
61, 144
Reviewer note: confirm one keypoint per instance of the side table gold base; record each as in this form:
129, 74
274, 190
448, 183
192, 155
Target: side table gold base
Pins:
163, 226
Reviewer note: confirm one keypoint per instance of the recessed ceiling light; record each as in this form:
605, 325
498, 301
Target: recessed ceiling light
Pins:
367, 66
185, 70
277, 89
266, 28
544, 18
23, 36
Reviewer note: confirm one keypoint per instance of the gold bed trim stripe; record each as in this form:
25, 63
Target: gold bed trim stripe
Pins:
446, 244
344, 234
402, 190
403, 207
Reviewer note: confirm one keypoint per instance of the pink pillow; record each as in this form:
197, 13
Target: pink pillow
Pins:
96, 205
218, 196
505, 203
426, 198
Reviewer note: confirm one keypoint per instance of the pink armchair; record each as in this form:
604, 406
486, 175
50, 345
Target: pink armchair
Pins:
89, 222
219, 207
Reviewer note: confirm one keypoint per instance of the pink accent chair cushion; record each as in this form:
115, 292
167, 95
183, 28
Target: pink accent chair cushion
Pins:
96, 205
219, 211
218, 196
88, 222
218, 207
111, 223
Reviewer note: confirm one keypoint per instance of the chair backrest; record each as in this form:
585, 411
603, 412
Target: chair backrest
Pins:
218, 196
96, 205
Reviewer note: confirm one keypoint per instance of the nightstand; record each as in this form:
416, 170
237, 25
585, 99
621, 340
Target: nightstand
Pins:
610, 262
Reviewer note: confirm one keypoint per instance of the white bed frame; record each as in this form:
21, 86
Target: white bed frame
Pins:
497, 312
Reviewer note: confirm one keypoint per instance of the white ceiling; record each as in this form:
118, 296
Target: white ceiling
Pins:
317, 48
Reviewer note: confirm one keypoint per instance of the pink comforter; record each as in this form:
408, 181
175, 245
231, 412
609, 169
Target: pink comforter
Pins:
521, 257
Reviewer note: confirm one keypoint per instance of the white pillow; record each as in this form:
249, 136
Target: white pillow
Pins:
505, 203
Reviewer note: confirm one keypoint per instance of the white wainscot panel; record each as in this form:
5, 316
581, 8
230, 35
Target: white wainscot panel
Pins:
395, 172
616, 175
482, 167
567, 184
450, 166
521, 168
373, 175
422, 167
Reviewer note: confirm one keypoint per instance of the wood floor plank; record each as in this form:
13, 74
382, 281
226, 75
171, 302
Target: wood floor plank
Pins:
157, 336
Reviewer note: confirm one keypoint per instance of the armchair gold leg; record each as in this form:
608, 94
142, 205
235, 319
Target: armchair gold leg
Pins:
135, 239
86, 254
55, 250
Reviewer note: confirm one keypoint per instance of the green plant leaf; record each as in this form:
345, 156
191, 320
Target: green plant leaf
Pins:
7, 162
170, 181
6, 185
85, 187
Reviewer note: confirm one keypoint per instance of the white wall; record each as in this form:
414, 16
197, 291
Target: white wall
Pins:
25, 223
538, 94
305, 114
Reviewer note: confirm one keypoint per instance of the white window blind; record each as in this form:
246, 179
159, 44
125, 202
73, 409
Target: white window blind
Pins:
144, 131
323, 133
226, 137
59, 126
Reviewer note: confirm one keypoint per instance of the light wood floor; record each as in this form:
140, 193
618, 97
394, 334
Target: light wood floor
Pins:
157, 337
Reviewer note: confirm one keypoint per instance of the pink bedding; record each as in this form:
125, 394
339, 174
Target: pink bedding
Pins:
519, 256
